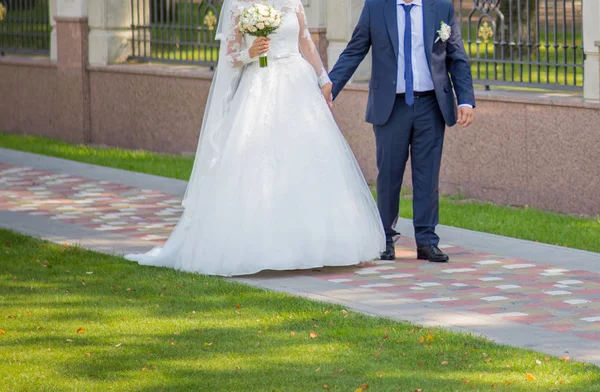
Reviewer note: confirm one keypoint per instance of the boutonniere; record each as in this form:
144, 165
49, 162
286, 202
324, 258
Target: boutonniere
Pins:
444, 32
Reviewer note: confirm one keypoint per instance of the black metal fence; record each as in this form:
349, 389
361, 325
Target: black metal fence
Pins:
25, 27
181, 31
532, 43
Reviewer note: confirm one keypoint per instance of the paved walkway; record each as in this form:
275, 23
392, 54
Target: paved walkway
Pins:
515, 292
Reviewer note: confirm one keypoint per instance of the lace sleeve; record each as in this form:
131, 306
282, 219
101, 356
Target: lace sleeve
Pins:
309, 50
237, 56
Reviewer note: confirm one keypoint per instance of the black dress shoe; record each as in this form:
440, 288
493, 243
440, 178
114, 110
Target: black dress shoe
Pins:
390, 252
432, 253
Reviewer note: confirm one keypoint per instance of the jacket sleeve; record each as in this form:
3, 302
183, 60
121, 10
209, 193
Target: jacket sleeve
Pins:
458, 65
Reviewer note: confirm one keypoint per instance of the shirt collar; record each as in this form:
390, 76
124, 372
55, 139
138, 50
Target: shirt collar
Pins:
414, 2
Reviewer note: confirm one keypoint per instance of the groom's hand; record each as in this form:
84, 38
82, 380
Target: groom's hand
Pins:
327, 94
466, 115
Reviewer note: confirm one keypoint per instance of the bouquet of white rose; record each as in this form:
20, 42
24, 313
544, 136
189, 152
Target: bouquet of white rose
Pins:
260, 20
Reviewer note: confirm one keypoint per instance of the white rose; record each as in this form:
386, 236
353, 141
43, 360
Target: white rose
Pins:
444, 32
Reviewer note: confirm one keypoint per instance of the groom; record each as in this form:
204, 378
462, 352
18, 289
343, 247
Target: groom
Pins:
419, 62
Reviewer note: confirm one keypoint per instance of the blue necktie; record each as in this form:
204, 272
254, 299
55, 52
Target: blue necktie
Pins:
408, 71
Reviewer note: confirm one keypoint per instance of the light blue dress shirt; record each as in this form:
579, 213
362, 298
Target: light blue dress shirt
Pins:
423, 81
421, 73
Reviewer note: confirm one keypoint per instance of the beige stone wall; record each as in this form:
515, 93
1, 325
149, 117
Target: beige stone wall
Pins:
537, 150
527, 153
342, 16
591, 34
49, 98
146, 107
33, 95
540, 150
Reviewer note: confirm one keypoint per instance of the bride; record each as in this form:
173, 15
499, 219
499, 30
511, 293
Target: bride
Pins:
274, 186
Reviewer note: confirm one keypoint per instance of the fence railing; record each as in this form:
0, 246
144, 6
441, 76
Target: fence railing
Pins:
534, 43
181, 31
26, 27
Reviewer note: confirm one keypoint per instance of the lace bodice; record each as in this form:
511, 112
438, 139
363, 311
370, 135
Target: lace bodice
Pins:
292, 38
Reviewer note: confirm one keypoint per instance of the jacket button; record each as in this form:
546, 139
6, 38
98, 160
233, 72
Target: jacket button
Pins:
394, 82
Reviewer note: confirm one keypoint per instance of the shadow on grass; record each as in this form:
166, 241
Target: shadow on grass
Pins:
149, 329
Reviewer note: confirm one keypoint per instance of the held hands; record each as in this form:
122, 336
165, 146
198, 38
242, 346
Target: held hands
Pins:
466, 115
259, 46
327, 94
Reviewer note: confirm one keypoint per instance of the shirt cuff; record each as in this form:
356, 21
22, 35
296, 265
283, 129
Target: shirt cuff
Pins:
466, 104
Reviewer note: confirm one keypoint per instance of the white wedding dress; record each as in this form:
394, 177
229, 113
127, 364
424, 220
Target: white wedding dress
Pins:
275, 185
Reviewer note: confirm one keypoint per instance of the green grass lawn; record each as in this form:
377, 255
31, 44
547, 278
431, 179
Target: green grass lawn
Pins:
26, 27
525, 223
483, 58
185, 38
74, 320
560, 47
177, 52
135, 160
532, 74
188, 36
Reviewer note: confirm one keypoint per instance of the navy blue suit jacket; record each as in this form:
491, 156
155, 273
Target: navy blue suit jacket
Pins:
377, 28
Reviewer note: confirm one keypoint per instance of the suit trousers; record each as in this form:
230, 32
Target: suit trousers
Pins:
419, 130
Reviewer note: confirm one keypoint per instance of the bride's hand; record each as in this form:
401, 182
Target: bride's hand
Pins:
259, 46
327, 94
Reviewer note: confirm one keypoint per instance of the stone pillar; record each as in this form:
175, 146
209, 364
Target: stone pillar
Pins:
598, 46
72, 60
110, 31
53, 43
72, 8
597, 43
316, 14
591, 34
342, 16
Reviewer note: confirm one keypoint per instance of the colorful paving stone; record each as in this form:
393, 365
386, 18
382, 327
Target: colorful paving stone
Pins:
555, 299
515, 290
100, 205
